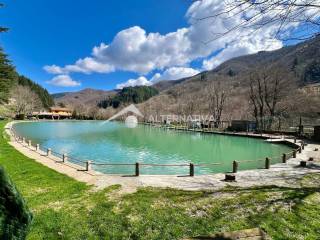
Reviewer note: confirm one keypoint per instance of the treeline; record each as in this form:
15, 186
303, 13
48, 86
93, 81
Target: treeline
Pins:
43, 94
9, 78
129, 95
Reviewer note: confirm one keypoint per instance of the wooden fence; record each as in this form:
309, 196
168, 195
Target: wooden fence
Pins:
86, 165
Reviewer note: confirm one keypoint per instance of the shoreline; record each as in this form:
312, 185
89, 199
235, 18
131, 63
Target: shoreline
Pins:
281, 174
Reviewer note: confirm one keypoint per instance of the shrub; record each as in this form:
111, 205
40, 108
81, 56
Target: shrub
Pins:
15, 216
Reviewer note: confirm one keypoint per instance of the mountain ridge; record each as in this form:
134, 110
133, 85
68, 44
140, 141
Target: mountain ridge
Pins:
300, 61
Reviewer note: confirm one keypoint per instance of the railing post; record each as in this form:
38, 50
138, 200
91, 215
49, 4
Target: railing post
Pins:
284, 158
88, 166
294, 153
29, 143
235, 166
49, 152
137, 169
64, 157
303, 163
191, 169
37, 147
267, 165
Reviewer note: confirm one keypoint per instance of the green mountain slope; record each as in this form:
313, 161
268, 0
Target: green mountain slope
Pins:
129, 95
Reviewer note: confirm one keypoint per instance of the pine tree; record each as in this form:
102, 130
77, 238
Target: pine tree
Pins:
3, 29
45, 97
8, 77
14, 213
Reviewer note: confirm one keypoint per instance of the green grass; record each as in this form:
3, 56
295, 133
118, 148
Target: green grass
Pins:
66, 209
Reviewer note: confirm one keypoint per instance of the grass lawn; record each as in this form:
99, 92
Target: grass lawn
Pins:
66, 209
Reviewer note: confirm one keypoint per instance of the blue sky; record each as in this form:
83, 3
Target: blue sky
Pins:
58, 32
70, 45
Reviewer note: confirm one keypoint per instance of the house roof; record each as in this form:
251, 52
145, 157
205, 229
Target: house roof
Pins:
60, 109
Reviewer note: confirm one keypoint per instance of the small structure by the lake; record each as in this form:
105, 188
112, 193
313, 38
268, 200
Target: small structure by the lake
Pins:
243, 125
54, 113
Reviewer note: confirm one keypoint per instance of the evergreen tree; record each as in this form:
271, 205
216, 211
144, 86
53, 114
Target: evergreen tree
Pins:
14, 214
8, 77
312, 72
3, 29
45, 97
129, 95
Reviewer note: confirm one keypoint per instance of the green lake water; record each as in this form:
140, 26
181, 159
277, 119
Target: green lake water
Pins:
112, 142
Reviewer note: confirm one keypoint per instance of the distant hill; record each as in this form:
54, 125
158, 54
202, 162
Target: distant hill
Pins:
165, 84
89, 97
129, 95
301, 63
59, 95
301, 60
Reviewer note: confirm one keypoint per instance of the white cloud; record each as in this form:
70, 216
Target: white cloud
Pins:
174, 73
169, 74
135, 50
86, 65
238, 49
63, 80
140, 81
54, 69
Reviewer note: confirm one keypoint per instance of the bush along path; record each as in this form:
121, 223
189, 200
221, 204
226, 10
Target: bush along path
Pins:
66, 209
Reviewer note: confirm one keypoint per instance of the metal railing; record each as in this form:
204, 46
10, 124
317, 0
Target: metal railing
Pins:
87, 164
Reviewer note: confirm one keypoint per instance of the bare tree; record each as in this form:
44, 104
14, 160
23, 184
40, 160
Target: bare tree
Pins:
190, 105
216, 96
257, 98
283, 14
80, 111
93, 113
268, 87
24, 100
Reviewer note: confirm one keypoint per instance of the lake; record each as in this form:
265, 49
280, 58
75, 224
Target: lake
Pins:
113, 142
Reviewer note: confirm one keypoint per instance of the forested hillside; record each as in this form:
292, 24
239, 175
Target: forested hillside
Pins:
297, 68
289, 79
88, 97
43, 94
9, 79
127, 95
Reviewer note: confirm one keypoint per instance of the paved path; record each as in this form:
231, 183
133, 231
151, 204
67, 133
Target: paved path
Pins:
282, 174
